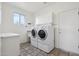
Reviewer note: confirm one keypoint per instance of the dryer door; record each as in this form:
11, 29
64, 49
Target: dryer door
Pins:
42, 34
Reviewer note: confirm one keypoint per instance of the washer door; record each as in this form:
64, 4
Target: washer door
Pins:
33, 33
42, 34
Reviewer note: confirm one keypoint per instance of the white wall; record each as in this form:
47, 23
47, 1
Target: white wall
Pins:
8, 25
44, 17
56, 10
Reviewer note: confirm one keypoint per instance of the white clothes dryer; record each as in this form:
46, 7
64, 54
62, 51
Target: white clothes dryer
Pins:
45, 37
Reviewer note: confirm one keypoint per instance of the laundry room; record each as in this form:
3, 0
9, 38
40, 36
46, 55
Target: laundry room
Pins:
39, 28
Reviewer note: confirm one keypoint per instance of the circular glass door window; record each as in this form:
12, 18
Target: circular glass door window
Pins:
33, 33
42, 34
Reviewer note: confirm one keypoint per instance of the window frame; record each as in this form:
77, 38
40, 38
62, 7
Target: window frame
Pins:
19, 23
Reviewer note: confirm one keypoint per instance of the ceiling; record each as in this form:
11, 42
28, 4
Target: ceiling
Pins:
32, 6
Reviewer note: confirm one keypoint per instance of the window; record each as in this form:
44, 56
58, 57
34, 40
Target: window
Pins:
18, 18
22, 19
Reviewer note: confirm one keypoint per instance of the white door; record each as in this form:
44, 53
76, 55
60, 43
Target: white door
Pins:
69, 31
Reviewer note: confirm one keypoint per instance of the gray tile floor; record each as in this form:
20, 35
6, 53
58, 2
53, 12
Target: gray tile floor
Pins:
28, 50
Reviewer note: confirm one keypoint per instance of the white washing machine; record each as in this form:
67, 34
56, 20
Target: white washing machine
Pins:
45, 37
34, 37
